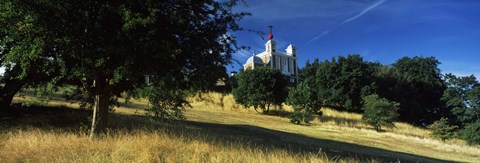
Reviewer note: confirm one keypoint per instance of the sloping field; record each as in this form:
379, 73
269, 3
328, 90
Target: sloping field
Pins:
337, 133
216, 130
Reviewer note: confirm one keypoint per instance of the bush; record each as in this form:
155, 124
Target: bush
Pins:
305, 103
379, 112
442, 130
296, 117
471, 133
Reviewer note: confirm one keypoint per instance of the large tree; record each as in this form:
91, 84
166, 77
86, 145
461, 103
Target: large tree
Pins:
110, 45
462, 96
261, 88
26, 53
340, 83
416, 83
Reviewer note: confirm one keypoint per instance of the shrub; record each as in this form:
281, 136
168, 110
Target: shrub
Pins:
296, 117
471, 133
379, 112
305, 103
442, 130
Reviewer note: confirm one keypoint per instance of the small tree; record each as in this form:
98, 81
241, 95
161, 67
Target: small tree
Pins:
305, 103
471, 133
379, 112
260, 88
442, 130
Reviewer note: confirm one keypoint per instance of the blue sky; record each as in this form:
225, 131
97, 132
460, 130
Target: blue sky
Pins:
379, 30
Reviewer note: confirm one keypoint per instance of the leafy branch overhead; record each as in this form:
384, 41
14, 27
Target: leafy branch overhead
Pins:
108, 46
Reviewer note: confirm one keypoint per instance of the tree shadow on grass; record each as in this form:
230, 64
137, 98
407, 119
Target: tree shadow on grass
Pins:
259, 137
58, 117
254, 137
340, 120
279, 113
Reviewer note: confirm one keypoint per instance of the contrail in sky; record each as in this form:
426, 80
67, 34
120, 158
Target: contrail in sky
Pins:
320, 35
349, 20
364, 11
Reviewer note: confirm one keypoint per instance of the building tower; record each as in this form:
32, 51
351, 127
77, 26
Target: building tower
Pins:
270, 46
286, 61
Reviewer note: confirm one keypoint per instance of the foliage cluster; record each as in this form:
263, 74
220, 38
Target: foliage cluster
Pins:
379, 112
462, 97
305, 103
442, 129
260, 88
107, 47
471, 133
413, 87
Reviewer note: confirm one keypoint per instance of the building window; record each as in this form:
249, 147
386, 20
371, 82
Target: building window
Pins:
290, 66
277, 62
284, 65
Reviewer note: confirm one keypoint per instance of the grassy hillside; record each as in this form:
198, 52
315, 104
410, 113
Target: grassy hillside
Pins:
216, 130
175, 143
342, 131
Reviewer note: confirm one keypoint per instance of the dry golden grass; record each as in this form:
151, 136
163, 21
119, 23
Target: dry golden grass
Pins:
150, 143
216, 101
134, 138
330, 117
345, 119
342, 127
36, 145
218, 142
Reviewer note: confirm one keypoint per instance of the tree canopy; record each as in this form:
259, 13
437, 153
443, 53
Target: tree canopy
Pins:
26, 52
304, 101
340, 83
379, 111
261, 88
416, 83
108, 46
462, 96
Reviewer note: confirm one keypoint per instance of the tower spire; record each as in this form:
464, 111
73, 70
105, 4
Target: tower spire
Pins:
270, 36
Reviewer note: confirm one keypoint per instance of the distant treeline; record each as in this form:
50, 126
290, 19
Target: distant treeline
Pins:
425, 94
412, 88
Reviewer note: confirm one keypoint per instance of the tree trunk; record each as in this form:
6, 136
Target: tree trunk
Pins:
6, 101
100, 89
9, 90
100, 115
268, 108
255, 108
222, 103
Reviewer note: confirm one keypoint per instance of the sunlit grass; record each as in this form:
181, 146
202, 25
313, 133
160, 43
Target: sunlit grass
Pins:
146, 142
347, 127
133, 138
35, 145
138, 139
330, 117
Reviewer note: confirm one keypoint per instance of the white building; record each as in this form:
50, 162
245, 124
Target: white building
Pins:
286, 61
